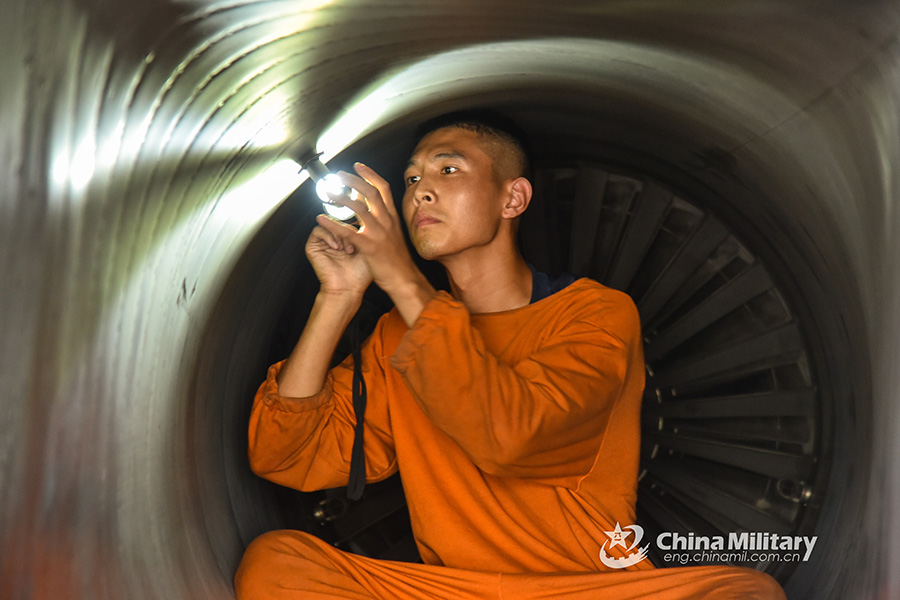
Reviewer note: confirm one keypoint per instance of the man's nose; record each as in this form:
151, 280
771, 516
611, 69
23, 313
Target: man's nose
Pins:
423, 193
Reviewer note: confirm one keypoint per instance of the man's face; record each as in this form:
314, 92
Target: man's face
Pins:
452, 200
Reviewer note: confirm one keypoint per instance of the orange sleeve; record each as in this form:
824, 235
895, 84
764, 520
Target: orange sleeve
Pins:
305, 443
543, 418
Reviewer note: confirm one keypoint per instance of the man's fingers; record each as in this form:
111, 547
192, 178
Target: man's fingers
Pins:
365, 189
374, 198
375, 212
378, 182
321, 234
338, 231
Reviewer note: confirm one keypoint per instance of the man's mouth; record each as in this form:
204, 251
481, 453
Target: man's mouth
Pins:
423, 219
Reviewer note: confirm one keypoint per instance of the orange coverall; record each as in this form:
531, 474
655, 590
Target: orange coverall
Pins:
517, 434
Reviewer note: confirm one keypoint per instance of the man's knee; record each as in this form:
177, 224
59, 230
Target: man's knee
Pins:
276, 560
254, 575
286, 562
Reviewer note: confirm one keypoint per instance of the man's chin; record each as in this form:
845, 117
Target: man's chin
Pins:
427, 250
428, 254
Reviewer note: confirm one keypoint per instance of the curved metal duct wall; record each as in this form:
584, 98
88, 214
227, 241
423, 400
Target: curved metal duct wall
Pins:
150, 268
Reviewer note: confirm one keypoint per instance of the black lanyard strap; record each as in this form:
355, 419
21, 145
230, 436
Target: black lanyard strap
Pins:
357, 482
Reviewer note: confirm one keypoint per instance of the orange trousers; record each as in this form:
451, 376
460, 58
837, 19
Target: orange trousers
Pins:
287, 565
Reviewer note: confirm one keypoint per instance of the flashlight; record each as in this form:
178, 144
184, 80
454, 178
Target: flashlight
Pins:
329, 185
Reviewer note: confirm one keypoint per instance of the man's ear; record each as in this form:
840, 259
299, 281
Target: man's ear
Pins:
518, 197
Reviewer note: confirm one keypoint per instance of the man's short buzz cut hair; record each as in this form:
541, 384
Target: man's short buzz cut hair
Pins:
511, 141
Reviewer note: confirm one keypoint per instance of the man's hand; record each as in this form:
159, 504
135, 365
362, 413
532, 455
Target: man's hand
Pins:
380, 242
338, 266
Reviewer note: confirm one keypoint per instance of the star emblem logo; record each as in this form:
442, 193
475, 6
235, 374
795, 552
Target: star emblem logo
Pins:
632, 553
617, 536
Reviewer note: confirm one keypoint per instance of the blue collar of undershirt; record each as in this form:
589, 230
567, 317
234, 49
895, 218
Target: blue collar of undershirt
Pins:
542, 286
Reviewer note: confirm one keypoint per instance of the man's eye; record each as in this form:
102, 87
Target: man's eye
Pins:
447, 170
411, 180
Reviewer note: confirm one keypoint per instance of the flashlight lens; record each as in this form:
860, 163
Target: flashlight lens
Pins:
341, 213
329, 186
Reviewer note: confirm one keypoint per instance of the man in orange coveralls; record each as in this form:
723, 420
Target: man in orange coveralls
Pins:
514, 419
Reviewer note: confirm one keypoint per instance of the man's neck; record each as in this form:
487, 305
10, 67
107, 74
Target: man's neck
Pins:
490, 284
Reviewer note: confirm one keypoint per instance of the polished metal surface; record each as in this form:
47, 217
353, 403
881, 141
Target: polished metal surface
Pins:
150, 270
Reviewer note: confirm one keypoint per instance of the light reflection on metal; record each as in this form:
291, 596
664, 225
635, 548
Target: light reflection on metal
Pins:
467, 71
249, 201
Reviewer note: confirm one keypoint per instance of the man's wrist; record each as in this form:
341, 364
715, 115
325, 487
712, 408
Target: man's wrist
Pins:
342, 298
341, 305
304, 372
411, 295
